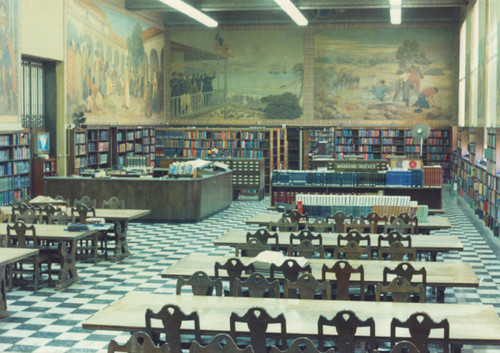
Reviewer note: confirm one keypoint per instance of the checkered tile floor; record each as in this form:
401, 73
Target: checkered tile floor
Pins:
50, 321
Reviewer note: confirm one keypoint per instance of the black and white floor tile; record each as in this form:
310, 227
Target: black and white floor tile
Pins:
50, 321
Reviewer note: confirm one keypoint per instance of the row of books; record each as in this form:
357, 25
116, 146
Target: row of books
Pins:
101, 135
4, 140
21, 139
355, 200
21, 153
4, 155
80, 138
405, 178
9, 197
14, 182
369, 148
369, 141
315, 211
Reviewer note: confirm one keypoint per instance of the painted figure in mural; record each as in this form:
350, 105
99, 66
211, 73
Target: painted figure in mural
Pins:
426, 99
207, 88
174, 93
403, 87
415, 75
189, 93
9, 77
196, 83
380, 90
126, 88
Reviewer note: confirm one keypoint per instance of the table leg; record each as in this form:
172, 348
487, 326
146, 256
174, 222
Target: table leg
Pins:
3, 296
440, 294
121, 245
433, 255
456, 348
68, 274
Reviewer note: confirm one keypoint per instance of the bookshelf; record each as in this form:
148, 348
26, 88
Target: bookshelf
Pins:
98, 150
381, 143
322, 142
42, 168
299, 148
77, 150
267, 143
15, 166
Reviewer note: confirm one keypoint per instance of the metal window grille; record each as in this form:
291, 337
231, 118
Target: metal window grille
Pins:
33, 109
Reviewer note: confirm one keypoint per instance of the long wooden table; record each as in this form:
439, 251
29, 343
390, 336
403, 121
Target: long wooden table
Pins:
119, 217
67, 248
422, 243
469, 323
9, 256
439, 274
434, 222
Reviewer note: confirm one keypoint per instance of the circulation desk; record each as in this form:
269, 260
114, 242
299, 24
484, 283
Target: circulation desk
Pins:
173, 199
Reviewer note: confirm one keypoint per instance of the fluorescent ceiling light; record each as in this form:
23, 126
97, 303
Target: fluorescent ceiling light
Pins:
395, 3
292, 11
396, 16
190, 11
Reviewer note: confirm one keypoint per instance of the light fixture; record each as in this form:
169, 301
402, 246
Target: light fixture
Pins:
190, 11
293, 12
396, 16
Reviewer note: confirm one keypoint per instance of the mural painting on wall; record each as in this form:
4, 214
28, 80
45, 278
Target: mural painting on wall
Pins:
114, 66
9, 63
236, 77
381, 76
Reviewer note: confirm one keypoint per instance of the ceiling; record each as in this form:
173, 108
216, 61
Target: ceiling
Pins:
266, 12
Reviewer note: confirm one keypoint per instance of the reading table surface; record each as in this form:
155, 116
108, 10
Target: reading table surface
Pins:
469, 323
432, 243
439, 274
434, 222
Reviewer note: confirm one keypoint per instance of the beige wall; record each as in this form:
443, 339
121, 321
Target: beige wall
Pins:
42, 29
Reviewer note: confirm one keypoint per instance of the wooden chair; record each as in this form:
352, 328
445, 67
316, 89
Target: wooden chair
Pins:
397, 252
306, 234
61, 217
258, 321
406, 218
200, 284
83, 211
352, 251
307, 250
61, 198
234, 268
295, 216
86, 201
251, 248
392, 237
87, 249
406, 270
30, 217
263, 236
284, 224
358, 224
401, 226
420, 326
139, 342
339, 219
20, 235
172, 318
257, 286
307, 287
220, 343
113, 203
401, 291
19, 208
301, 345
290, 269
374, 218
354, 235
343, 271
346, 323
48, 210
320, 225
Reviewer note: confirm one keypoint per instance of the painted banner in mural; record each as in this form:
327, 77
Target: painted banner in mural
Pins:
114, 66
383, 75
9, 61
236, 77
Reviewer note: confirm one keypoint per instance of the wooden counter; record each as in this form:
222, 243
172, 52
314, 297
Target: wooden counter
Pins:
179, 200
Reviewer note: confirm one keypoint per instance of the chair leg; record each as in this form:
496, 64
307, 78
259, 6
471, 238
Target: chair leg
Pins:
36, 273
11, 274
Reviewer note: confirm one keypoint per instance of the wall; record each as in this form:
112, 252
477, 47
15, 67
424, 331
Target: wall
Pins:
330, 75
42, 29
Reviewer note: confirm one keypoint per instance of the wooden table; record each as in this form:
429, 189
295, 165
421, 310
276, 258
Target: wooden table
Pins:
119, 217
469, 323
434, 222
439, 274
422, 243
67, 248
8, 256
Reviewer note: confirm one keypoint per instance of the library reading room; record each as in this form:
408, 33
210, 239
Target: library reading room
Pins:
249, 176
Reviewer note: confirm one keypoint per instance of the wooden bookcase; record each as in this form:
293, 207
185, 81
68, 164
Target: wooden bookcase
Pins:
77, 150
42, 168
267, 143
130, 141
381, 143
15, 166
98, 147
